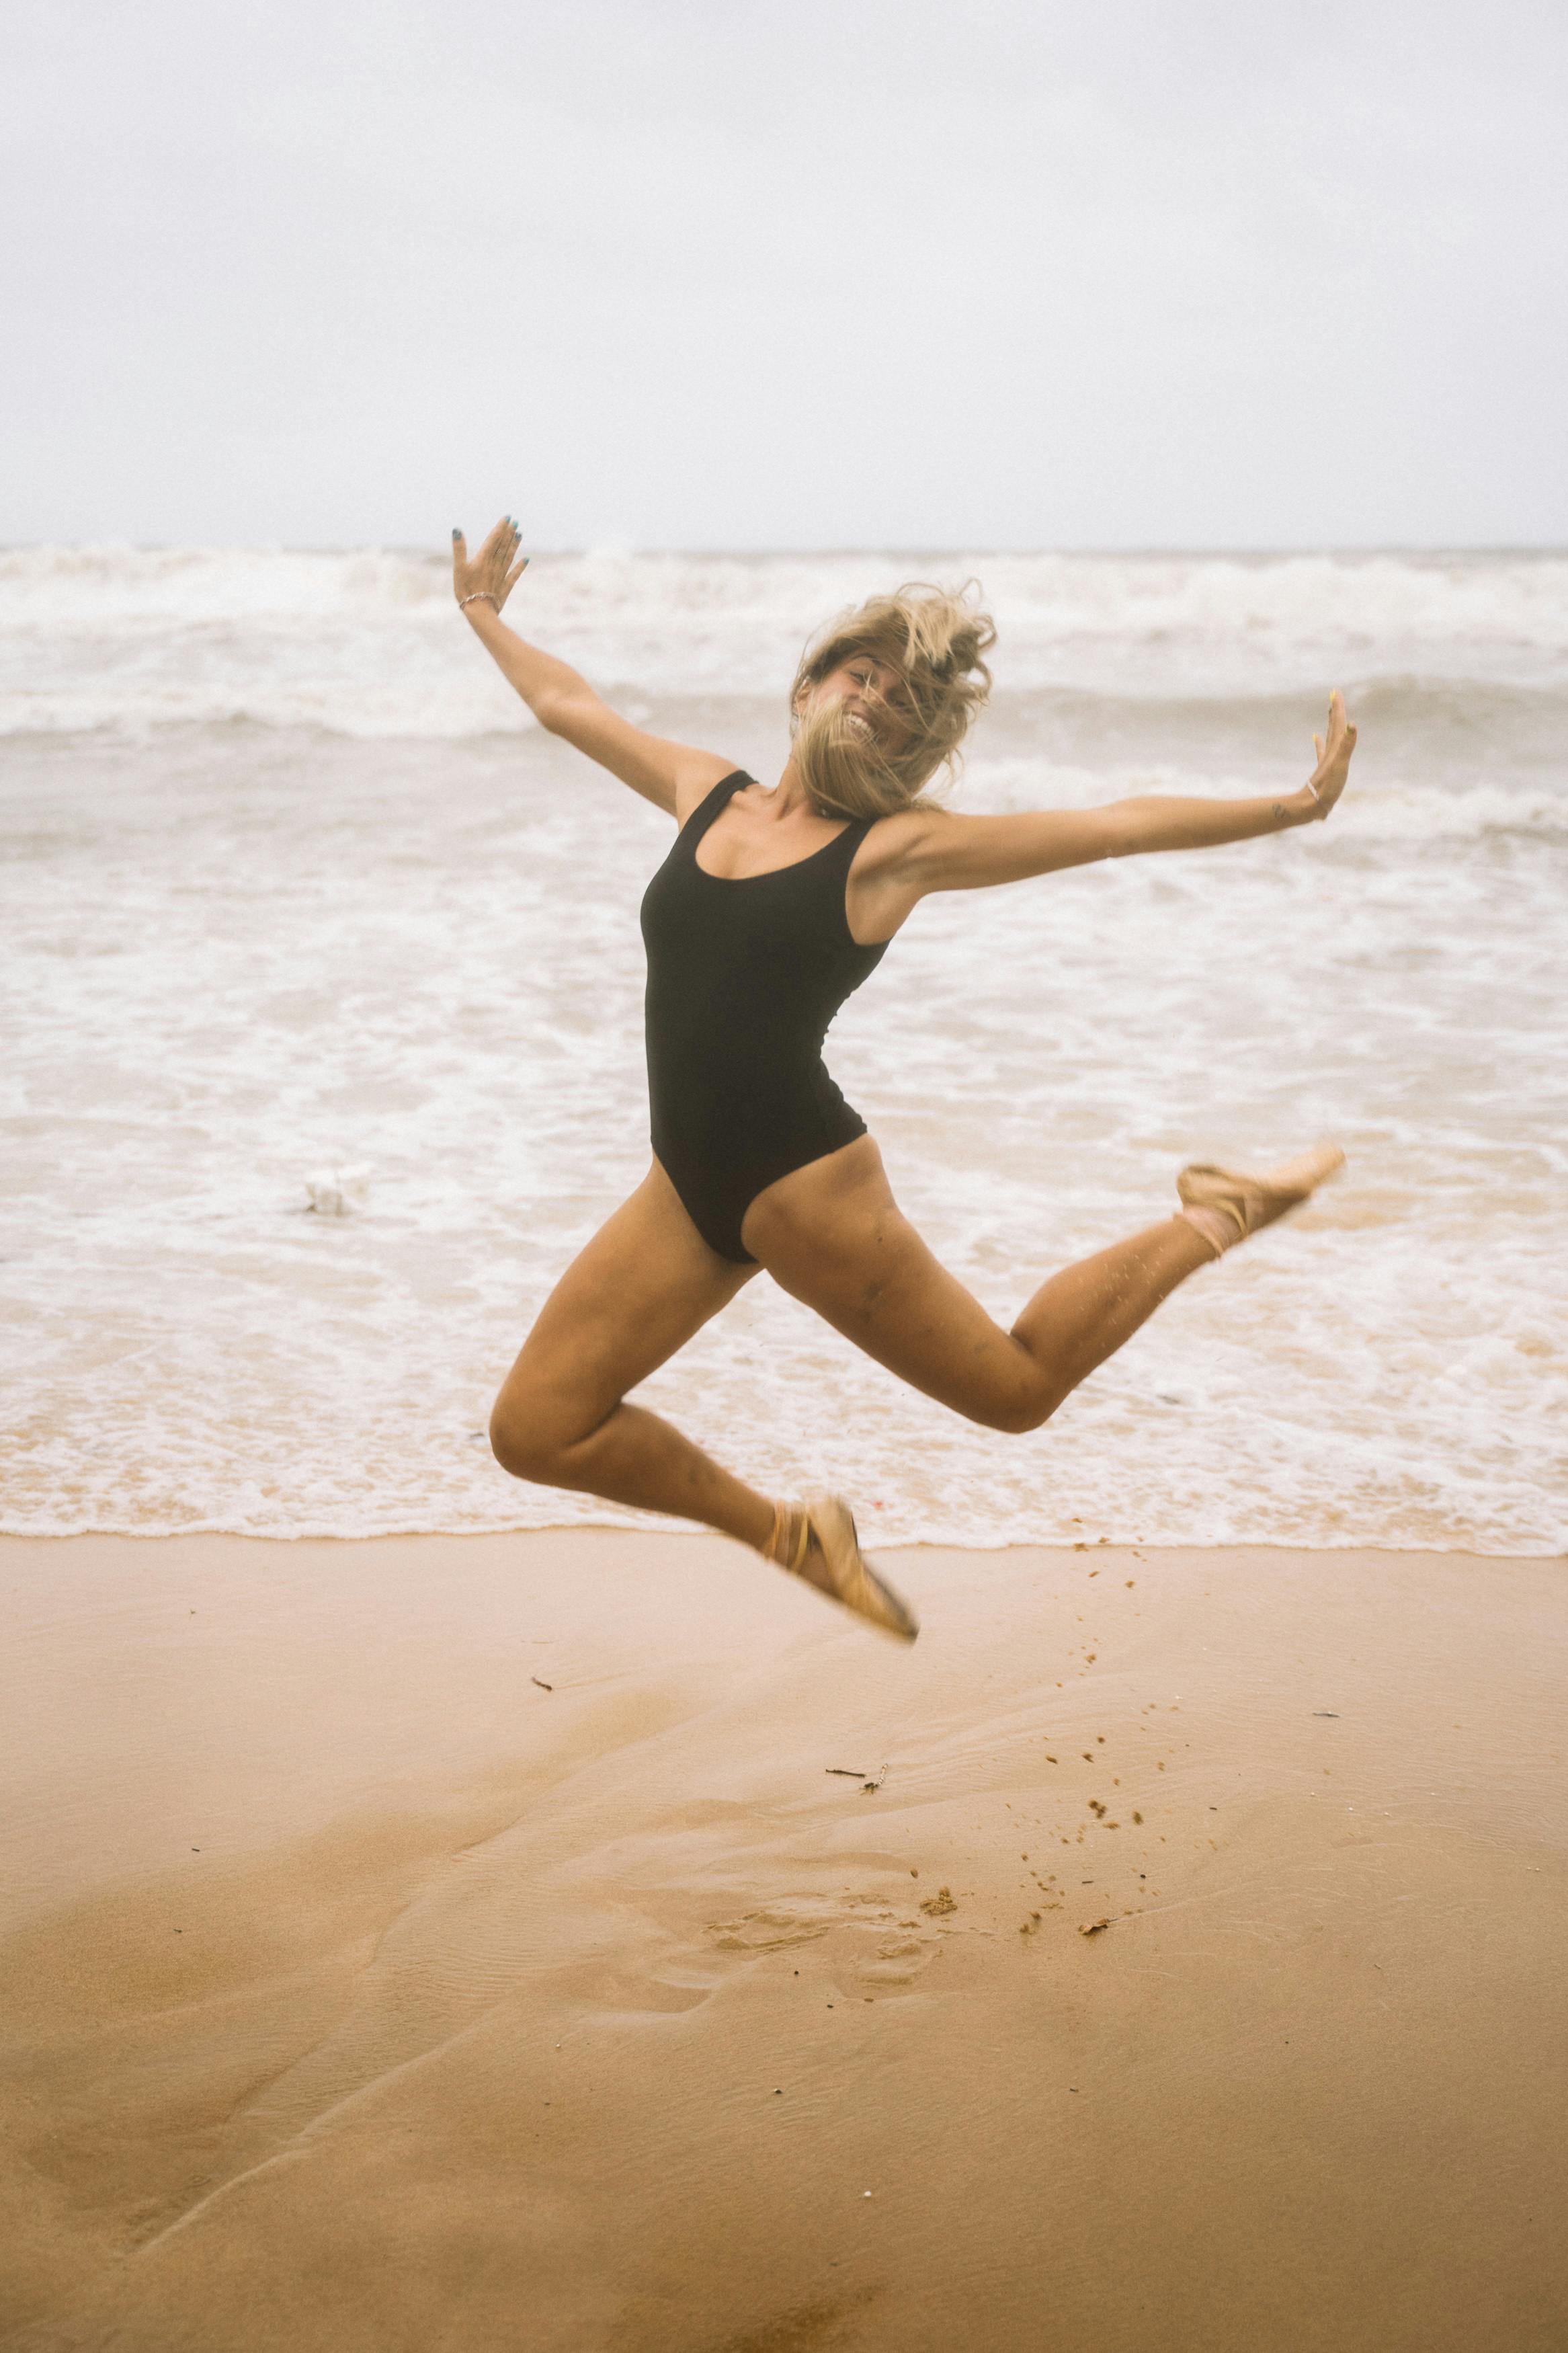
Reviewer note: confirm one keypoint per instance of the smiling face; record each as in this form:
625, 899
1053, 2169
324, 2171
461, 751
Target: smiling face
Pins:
871, 696
882, 696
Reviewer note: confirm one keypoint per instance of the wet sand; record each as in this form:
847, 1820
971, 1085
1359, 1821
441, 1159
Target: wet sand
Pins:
465, 1944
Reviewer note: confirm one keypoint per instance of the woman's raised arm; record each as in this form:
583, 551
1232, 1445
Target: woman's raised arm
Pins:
672, 775
937, 851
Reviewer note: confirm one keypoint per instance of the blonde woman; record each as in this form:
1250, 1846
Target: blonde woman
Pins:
770, 909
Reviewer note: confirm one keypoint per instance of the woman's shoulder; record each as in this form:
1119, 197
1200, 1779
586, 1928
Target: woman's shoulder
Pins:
701, 773
890, 841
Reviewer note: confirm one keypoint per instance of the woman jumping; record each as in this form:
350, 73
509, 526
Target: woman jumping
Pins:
771, 907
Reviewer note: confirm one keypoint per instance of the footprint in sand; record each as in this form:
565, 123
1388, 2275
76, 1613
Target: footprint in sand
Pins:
795, 1921
898, 1960
859, 1922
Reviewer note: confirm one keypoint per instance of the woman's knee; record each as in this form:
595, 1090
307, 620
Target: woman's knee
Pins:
1021, 1409
531, 1438
515, 1441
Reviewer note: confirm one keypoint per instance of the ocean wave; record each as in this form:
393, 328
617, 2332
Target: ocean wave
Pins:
1420, 778
400, 709
1514, 599
1392, 807
164, 586
1415, 813
365, 641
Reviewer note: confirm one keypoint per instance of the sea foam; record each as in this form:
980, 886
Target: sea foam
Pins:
367, 642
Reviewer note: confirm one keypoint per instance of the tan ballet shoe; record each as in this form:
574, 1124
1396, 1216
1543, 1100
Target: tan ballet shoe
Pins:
1226, 1204
817, 1539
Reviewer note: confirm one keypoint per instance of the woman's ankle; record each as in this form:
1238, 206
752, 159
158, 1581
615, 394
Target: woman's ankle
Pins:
782, 1543
1218, 1229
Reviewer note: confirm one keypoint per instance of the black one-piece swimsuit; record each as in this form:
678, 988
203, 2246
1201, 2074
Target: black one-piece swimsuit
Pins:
745, 975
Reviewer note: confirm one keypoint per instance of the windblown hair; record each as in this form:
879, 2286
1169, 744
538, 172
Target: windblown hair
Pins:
936, 639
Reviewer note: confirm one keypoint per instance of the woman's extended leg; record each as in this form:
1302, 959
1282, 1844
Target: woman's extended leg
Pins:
833, 1235
645, 1283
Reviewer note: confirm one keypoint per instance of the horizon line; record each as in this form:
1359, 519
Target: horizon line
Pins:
1252, 551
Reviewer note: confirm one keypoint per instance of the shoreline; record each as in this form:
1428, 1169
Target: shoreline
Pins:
692, 1531
491, 1939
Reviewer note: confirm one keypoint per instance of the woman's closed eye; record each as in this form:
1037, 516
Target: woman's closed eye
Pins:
893, 694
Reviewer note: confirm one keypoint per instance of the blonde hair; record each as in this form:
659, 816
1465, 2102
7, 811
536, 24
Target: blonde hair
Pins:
937, 640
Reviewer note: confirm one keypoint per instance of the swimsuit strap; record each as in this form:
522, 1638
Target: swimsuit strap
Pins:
710, 805
853, 835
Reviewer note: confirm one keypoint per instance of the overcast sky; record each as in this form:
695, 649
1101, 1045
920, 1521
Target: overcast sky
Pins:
831, 273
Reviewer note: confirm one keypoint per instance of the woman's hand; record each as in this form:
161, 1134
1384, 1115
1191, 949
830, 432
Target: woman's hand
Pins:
1328, 778
492, 573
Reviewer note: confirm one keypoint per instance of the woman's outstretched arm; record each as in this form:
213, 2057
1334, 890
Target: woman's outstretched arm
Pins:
673, 775
937, 851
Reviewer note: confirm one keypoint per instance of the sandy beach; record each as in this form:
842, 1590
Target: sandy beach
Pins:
590, 1940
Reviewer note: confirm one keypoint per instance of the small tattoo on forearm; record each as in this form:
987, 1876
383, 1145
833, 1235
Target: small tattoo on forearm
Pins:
1280, 811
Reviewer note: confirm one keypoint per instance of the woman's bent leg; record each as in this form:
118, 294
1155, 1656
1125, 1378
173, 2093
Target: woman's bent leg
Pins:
833, 1235
1083, 1314
638, 1293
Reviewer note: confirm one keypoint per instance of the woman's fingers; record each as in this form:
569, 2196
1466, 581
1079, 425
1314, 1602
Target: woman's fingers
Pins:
488, 572
1340, 738
1333, 751
506, 544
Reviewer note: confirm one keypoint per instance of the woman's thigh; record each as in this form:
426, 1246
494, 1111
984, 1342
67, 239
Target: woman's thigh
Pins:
630, 1298
832, 1235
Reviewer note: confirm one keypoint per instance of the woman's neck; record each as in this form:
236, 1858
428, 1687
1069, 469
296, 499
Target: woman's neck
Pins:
787, 801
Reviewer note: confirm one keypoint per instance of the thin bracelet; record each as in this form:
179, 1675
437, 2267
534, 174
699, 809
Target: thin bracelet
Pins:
479, 594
